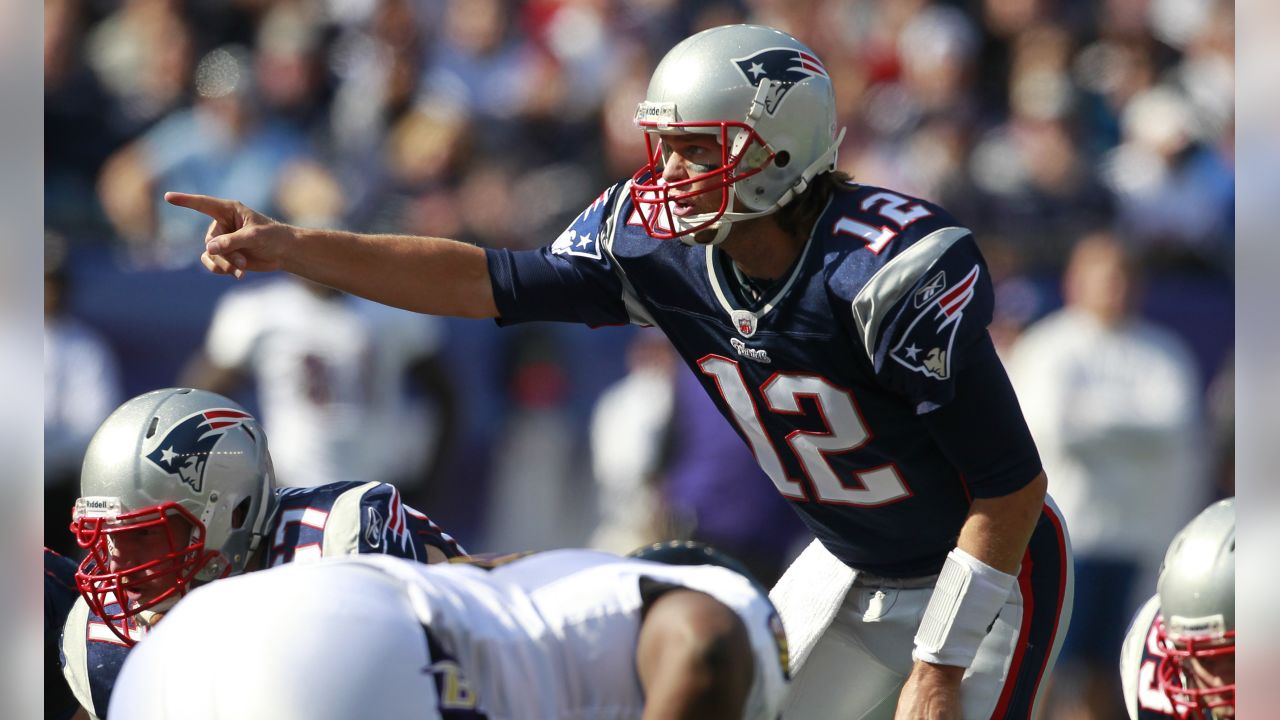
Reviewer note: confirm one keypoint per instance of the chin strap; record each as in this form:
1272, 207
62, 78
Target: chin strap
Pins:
826, 161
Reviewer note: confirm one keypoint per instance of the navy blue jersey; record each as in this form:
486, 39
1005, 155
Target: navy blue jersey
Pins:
348, 518
345, 518
59, 596
864, 381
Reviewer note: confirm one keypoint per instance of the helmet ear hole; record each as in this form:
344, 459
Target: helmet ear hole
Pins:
241, 513
782, 159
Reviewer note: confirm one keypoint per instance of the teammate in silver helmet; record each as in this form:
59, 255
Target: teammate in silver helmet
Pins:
840, 327
1179, 655
177, 490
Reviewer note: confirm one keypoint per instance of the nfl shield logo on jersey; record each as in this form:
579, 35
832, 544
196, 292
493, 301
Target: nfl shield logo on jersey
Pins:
745, 321
926, 345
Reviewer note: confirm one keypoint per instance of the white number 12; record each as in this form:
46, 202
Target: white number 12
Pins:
845, 432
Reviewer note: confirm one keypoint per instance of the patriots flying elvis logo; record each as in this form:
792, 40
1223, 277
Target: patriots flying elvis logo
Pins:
185, 448
925, 347
783, 67
582, 238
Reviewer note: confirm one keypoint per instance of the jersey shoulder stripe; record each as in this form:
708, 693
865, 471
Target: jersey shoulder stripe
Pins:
895, 279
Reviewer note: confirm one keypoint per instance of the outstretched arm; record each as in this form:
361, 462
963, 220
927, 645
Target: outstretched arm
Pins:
694, 659
427, 275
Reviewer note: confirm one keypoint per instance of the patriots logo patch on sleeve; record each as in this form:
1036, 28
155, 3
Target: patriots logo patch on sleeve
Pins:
582, 237
926, 345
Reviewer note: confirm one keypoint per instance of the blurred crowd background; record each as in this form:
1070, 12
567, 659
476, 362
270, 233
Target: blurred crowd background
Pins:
1089, 145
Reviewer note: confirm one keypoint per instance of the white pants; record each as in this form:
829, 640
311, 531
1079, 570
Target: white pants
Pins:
853, 667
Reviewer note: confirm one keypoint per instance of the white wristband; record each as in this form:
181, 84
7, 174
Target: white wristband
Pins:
965, 601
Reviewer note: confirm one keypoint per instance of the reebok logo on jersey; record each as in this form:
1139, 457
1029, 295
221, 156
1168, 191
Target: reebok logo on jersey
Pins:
925, 347
759, 356
373, 527
930, 290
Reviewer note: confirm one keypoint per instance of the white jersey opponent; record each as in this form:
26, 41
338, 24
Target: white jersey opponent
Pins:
551, 635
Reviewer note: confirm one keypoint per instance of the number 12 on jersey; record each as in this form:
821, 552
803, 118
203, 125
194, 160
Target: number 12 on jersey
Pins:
846, 432
894, 208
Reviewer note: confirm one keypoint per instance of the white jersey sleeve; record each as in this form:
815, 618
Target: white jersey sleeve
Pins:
581, 610
234, 329
1137, 678
91, 657
75, 665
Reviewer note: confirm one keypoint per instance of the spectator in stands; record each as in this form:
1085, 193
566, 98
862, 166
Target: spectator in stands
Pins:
81, 387
1113, 403
221, 143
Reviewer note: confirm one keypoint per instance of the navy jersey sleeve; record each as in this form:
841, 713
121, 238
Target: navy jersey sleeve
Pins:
571, 280
981, 430
349, 518
389, 526
922, 320
59, 597
91, 657
59, 593
929, 332
922, 309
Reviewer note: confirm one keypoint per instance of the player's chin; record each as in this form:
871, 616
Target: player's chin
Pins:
704, 237
146, 592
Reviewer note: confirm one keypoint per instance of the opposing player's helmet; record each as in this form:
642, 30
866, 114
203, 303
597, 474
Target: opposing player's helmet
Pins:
163, 462
691, 552
768, 100
1197, 589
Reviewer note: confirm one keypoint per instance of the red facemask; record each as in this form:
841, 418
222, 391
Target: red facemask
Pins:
1174, 672
653, 196
137, 561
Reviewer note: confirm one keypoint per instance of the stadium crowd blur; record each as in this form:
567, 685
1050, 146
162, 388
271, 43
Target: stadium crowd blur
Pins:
1036, 122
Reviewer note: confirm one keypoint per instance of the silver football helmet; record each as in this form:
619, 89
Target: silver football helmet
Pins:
177, 489
1197, 589
768, 100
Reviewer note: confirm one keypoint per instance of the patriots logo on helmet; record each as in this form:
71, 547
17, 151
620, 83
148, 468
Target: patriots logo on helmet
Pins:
185, 448
784, 67
926, 345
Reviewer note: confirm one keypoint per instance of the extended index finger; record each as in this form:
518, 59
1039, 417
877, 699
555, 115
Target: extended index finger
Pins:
215, 207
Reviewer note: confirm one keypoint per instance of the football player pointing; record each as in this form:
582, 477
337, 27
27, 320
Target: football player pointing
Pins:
840, 327
177, 490
1179, 656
